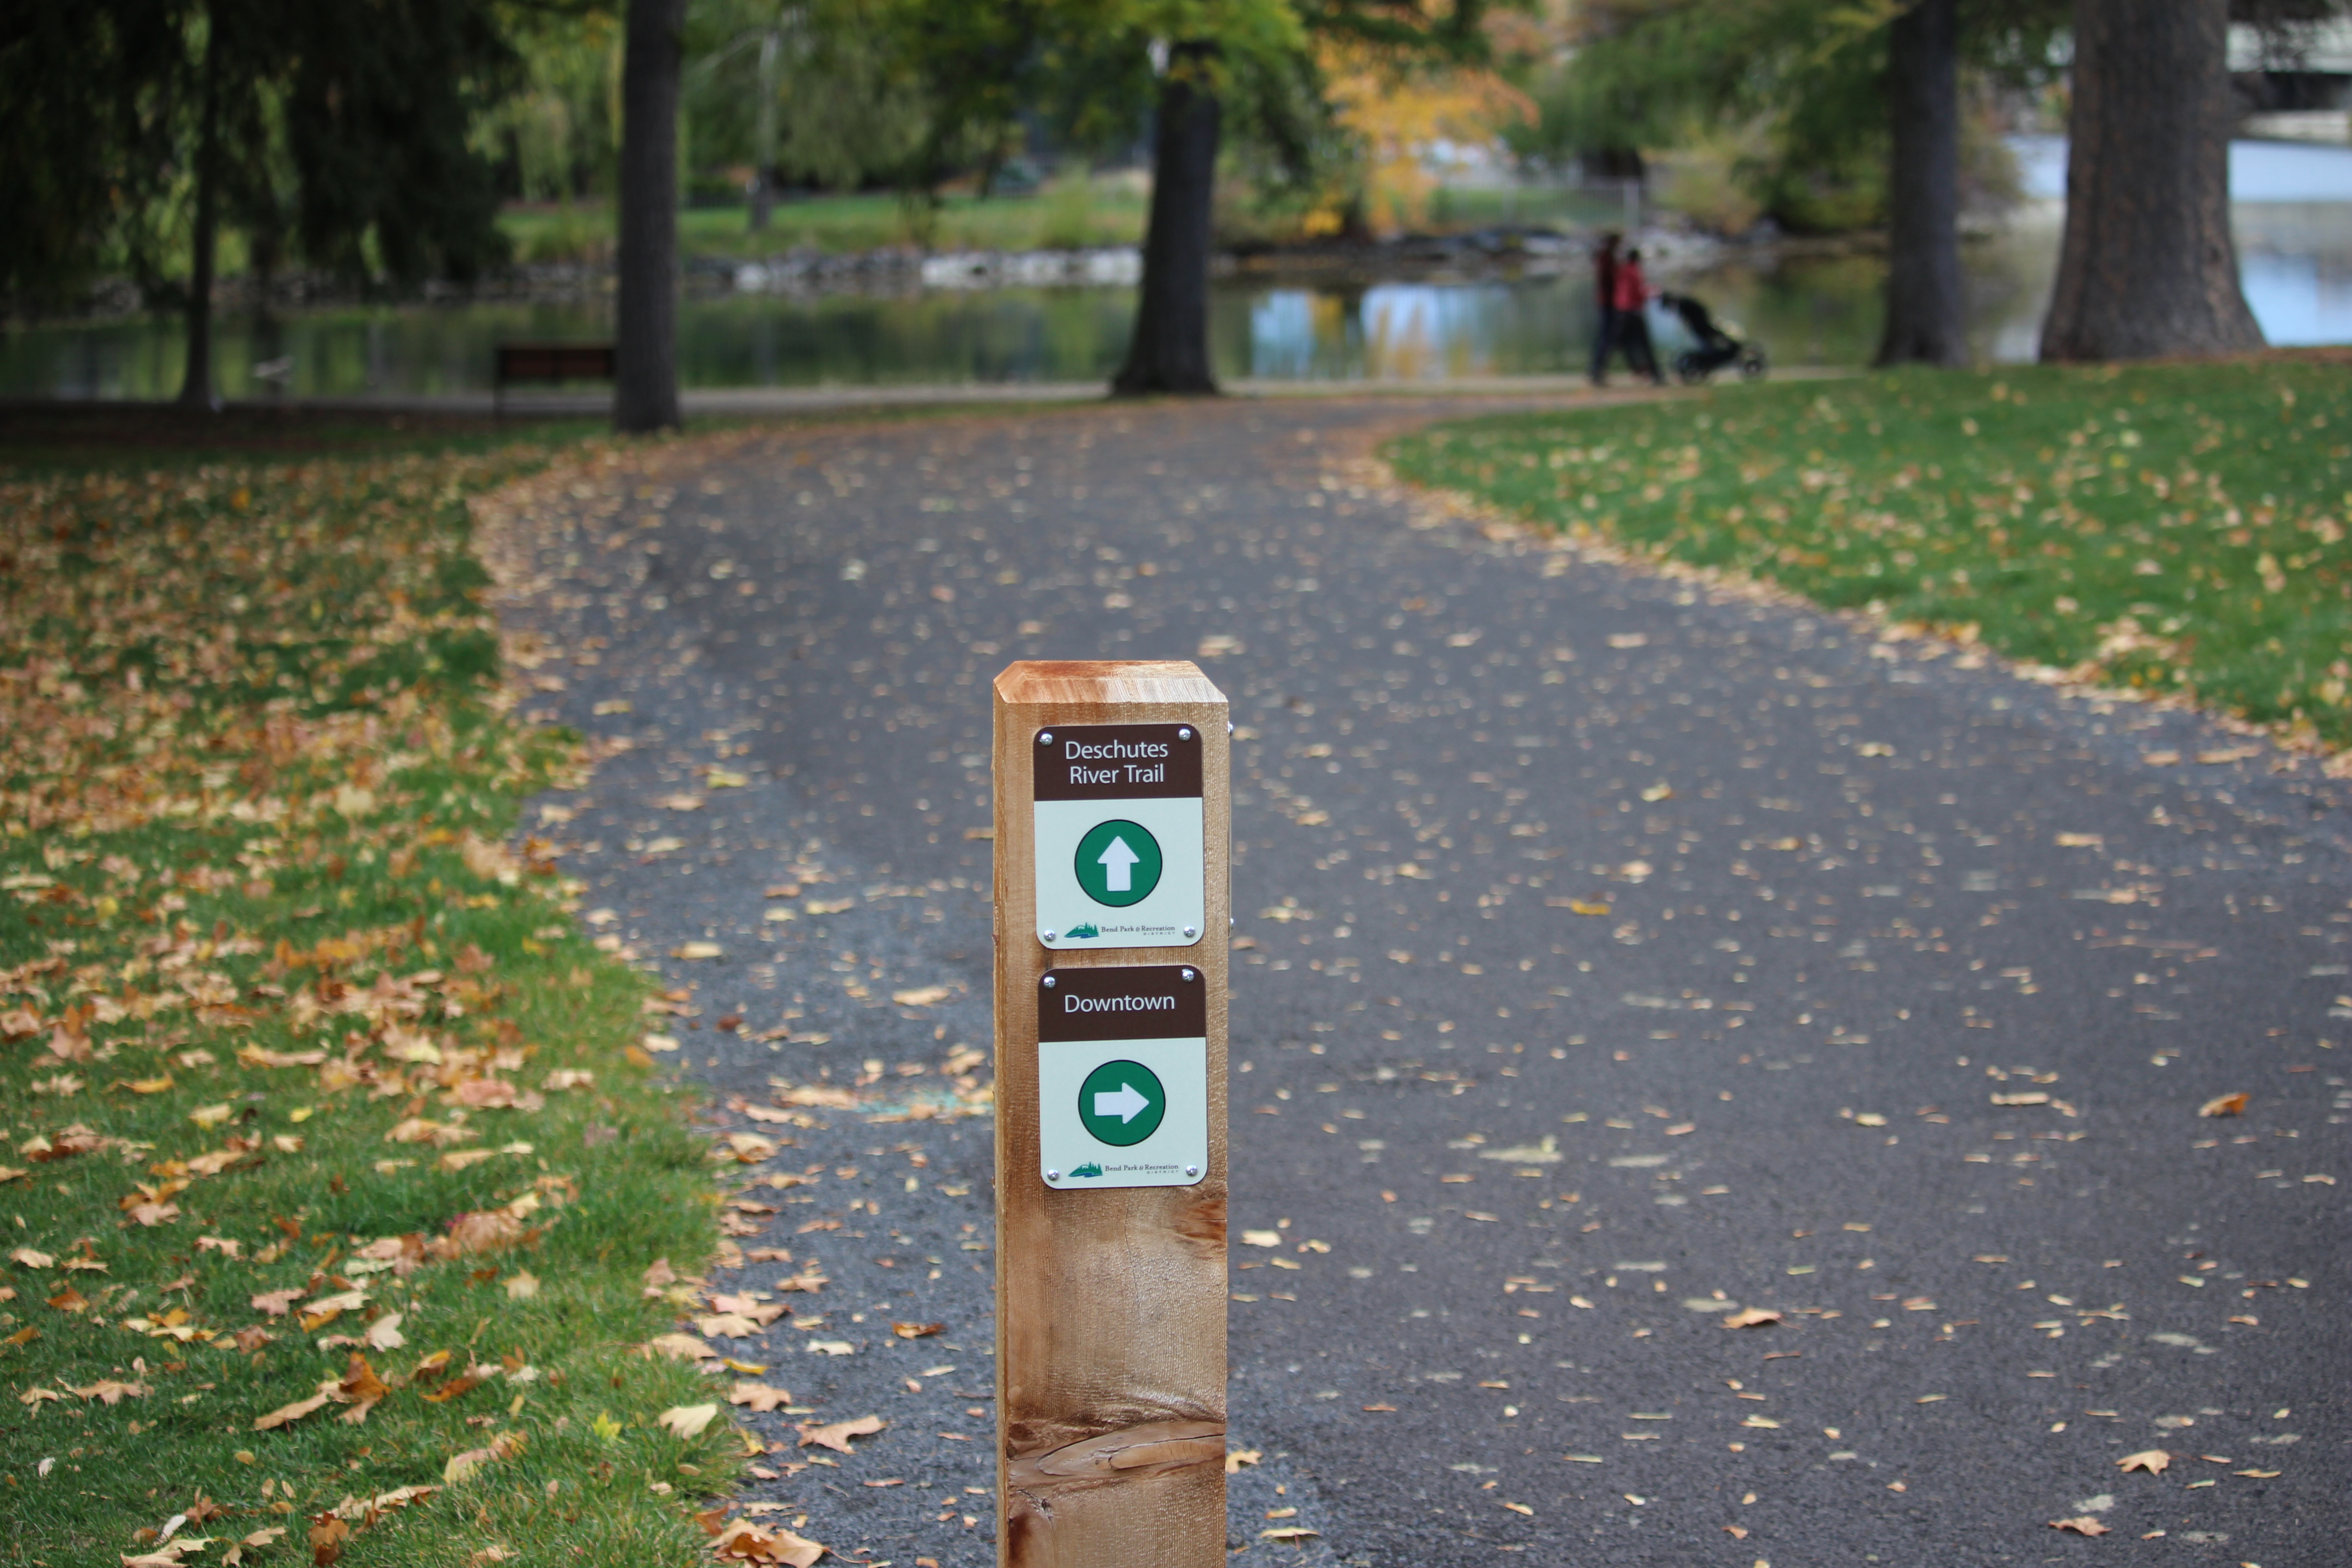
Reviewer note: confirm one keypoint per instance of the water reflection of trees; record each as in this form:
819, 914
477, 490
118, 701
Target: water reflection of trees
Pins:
1821, 309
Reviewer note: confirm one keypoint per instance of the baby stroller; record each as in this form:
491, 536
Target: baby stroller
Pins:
1720, 342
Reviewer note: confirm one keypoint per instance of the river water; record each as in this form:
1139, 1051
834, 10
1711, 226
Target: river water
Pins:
2292, 207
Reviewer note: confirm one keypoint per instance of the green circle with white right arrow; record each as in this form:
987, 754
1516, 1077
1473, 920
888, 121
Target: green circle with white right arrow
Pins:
1117, 863
1122, 1103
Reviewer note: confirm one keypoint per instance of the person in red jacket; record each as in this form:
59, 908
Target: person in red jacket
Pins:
1604, 298
1632, 327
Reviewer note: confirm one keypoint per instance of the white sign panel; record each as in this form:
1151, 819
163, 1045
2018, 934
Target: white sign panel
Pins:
1120, 860
1120, 1103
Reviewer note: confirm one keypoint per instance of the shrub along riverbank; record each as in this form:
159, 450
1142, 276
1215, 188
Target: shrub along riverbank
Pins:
2173, 529
334, 1169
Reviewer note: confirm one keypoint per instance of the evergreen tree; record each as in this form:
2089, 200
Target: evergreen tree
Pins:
85, 98
345, 123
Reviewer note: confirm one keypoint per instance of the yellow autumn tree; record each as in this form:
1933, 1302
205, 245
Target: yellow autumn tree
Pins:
1401, 113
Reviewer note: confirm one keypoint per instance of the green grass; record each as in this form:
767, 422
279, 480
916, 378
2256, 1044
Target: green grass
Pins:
1473, 207
2175, 529
254, 782
1066, 214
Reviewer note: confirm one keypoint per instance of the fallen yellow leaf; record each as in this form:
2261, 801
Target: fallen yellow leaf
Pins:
286, 1414
759, 1396
836, 1435
744, 1542
687, 1421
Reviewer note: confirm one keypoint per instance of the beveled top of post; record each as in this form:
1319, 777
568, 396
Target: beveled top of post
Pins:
1034, 682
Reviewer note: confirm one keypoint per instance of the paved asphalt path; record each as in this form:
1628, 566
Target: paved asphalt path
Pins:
1526, 1158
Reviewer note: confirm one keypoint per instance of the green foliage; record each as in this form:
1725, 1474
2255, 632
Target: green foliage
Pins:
1284, 148
379, 104
344, 128
850, 107
560, 132
2181, 530
87, 134
1775, 107
1069, 213
1073, 209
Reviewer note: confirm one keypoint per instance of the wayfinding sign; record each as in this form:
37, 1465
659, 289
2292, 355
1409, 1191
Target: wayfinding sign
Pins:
1113, 832
1123, 1077
1119, 860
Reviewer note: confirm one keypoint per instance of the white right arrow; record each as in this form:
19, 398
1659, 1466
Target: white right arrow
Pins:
1124, 1102
1117, 862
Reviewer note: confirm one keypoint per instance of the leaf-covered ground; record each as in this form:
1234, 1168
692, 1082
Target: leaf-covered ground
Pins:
2177, 529
333, 1170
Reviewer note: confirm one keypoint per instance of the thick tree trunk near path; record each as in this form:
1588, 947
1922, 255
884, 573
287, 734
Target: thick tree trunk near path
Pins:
1170, 351
645, 393
196, 388
2147, 267
1926, 313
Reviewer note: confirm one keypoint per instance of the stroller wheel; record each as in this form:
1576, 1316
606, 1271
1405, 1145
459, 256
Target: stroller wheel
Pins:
1687, 366
1752, 364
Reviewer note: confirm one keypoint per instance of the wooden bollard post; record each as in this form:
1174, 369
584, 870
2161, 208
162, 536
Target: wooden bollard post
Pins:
1113, 900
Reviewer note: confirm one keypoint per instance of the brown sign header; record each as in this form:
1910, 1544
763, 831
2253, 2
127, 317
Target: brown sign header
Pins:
1129, 1002
1118, 762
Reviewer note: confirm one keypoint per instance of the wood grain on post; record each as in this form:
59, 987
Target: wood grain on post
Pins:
1110, 1305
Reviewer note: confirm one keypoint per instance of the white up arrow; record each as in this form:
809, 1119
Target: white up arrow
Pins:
1124, 1102
1117, 862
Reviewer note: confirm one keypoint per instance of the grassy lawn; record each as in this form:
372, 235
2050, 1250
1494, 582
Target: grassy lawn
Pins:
333, 1168
1066, 214
2177, 529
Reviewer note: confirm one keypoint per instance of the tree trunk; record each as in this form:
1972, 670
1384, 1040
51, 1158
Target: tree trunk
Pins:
1170, 351
1926, 315
2148, 266
764, 134
196, 389
644, 394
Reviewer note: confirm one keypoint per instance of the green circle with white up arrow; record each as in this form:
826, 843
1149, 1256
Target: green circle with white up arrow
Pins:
1122, 1103
1117, 863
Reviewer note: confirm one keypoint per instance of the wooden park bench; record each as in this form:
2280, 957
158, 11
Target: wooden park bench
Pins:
548, 362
